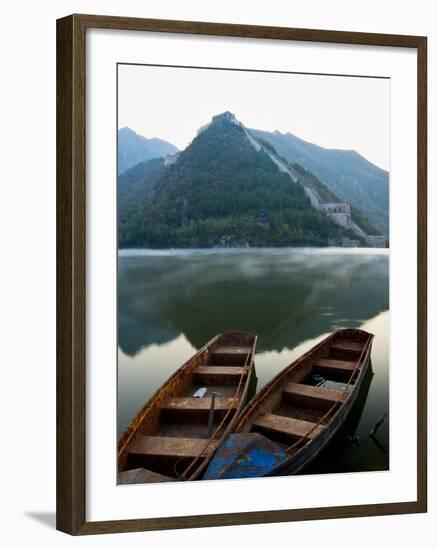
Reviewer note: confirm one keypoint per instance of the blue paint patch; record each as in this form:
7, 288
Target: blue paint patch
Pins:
245, 455
261, 458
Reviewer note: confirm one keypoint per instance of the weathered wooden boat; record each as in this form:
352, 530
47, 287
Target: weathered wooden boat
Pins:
177, 431
292, 419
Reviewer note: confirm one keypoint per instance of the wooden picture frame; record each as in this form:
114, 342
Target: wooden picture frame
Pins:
71, 273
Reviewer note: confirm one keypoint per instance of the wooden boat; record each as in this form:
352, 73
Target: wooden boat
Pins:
179, 428
292, 419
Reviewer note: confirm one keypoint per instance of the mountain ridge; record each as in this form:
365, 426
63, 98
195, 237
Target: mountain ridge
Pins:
133, 148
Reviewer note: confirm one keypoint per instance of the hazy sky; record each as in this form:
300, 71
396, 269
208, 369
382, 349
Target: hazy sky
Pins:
331, 111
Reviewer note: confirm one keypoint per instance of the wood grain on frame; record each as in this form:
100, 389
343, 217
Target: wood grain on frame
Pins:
71, 269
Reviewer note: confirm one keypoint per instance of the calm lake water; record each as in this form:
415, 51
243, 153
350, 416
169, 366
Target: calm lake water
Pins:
171, 302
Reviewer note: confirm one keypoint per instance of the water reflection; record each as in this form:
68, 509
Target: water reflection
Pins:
172, 302
286, 296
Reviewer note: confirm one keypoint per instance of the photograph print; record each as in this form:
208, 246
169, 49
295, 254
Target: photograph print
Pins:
253, 273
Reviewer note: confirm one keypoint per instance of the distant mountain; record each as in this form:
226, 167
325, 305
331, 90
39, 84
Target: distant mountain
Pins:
345, 172
224, 189
134, 148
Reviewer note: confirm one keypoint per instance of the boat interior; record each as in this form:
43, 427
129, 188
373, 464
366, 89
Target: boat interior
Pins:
298, 406
197, 403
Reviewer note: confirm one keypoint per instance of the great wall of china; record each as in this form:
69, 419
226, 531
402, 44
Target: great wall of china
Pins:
339, 212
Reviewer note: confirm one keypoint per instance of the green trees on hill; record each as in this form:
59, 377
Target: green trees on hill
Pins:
237, 231
222, 192
136, 185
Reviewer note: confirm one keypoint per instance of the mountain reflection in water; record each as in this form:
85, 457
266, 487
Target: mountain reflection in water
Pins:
285, 296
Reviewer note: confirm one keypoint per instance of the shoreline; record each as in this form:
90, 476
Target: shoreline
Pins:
303, 249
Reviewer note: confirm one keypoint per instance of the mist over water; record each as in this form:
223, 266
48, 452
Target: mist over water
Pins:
171, 302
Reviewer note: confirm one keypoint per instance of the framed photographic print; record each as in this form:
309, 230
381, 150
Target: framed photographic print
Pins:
241, 288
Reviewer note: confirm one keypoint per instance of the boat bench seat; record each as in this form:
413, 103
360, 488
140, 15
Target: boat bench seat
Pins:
346, 350
218, 375
176, 447
337, 366
230, 355
237, 350
199, 404
312, 396
284, 425
188, 409
351, 346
